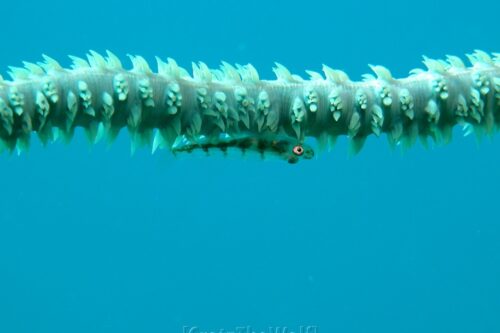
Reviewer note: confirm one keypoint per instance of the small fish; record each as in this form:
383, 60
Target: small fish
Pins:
285, 148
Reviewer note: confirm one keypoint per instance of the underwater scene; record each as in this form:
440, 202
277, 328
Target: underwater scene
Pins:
250, 167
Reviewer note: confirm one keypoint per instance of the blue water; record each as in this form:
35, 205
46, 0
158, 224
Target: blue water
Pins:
94, 240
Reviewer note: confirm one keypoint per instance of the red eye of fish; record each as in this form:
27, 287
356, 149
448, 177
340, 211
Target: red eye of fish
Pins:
298, 150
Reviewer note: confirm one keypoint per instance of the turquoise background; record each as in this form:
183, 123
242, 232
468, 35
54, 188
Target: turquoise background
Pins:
93, 240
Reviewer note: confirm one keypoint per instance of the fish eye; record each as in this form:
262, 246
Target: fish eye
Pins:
298, 150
